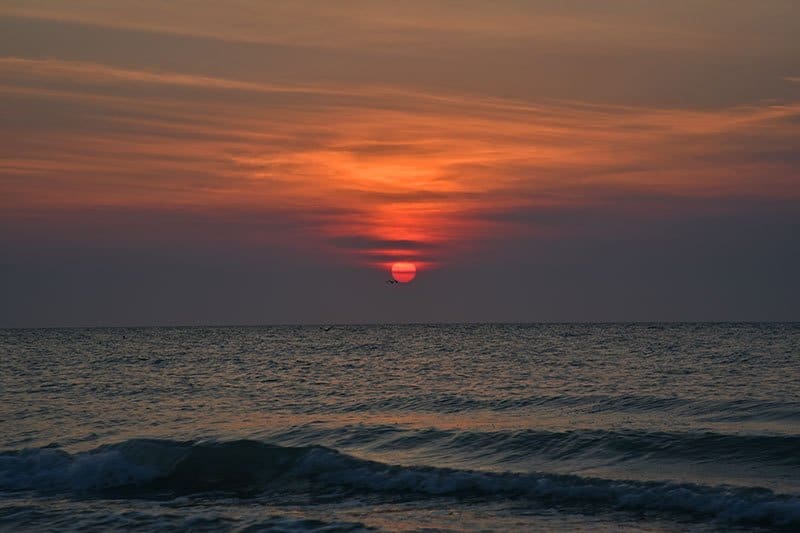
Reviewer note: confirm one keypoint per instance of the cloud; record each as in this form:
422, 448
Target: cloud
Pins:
354, 25
368, 169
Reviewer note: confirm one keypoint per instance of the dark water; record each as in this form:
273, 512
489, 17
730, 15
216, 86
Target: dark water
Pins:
463, 427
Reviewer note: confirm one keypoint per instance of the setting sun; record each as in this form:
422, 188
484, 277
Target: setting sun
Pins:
200, 202
404, 272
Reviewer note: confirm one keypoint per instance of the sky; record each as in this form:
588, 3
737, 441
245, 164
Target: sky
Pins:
248, 162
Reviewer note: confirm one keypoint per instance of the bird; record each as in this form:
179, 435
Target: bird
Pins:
391, 281
327, 328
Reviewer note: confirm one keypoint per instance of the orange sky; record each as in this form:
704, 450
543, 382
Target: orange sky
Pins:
380, 132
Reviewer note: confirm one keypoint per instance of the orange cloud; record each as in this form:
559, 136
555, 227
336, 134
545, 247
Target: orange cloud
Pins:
379, 172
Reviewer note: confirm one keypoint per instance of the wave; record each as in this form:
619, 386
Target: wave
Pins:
149, 468
38, 517
615, 446
711, 410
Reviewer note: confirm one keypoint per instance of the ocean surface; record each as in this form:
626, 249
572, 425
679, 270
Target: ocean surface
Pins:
653, 427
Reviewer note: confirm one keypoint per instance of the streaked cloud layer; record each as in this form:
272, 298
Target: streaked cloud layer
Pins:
366, 132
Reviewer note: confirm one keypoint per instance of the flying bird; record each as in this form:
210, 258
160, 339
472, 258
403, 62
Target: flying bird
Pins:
391, 281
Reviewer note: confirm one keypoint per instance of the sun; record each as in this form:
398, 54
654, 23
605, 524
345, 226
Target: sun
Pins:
404, 272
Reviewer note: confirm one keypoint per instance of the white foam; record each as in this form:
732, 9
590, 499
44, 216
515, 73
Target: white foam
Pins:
53, 469
722, 503
139, 462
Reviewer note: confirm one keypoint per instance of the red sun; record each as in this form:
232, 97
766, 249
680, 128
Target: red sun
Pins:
404, 272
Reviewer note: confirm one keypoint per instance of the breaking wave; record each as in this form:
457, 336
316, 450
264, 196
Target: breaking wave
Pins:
150, 468
618, 446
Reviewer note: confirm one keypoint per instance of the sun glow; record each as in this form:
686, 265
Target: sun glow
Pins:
404, 272
376, 174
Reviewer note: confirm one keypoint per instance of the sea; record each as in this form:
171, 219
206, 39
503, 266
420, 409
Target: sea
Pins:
490, 427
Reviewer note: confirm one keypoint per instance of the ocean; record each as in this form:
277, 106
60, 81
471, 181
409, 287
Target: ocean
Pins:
493, 427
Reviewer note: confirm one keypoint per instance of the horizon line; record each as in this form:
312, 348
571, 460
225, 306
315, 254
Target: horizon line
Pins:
381, 324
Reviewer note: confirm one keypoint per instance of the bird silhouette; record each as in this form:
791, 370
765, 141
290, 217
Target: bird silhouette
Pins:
391, 281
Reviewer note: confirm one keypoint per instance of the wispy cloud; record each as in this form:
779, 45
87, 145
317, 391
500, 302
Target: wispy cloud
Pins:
380, 171
358, 24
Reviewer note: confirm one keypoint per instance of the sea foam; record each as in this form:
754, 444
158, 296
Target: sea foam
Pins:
150, 467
